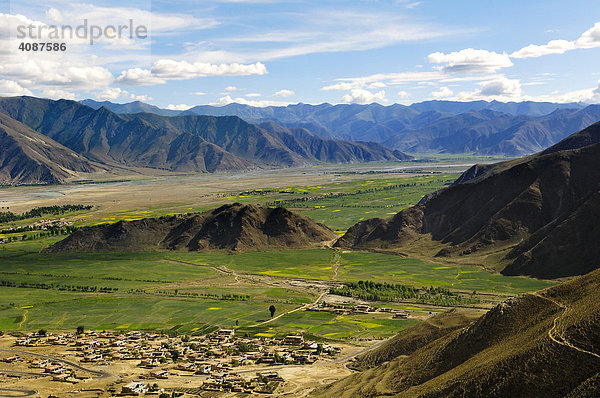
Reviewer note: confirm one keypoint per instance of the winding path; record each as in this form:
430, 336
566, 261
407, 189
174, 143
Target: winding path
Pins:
555, 336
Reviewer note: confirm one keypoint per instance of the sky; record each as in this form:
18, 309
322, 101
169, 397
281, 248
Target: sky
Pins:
267, 52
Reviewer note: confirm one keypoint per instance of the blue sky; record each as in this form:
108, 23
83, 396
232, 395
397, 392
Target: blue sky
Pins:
268, 52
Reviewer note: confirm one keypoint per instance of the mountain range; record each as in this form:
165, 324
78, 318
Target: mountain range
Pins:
542, 210
480, 127
185, 144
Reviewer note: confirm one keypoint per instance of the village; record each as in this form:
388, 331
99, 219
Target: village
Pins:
339, 309
217, 362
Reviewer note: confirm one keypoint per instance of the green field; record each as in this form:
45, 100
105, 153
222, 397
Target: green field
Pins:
187, 292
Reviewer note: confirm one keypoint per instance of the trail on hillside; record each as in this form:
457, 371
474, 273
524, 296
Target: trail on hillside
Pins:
555, 336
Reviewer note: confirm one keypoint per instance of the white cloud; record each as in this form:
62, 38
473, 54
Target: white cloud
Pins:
231, 88
58, 94
252, 95
403, 94
157, 23
443, 92
377, 85
110, 94
54, 15
500, 88
343, 86
398, 79
553, 47
319, 30
240, 100
588, 39
591, 96
139, 77
142, 97
470, 60
113, 93
168, 69
179, 107
10, 88
199, 93
414, 4
283, 93
51, 73
362, 96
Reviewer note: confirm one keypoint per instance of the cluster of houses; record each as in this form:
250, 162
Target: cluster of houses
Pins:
357, 309
217, 356
57, 371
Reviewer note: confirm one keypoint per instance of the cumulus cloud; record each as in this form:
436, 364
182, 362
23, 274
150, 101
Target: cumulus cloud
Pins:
283, 93
110, 94
231, 88
139, 77
168, 69
403, 94
50, 73
443, 92
470, 60
54, 15
501, 86
10, 88
362, 96
113, 93
58, 94
588, 39
179, 107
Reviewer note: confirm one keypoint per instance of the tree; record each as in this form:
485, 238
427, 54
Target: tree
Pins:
272, 310
41, 332
319, 348
79, 329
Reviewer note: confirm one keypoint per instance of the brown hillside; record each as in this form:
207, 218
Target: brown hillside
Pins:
28, 157
534, 345
549, 203
234, 227
417, 336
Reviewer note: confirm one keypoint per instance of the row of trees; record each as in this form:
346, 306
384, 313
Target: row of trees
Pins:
377, 291
8, 216
55, 286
